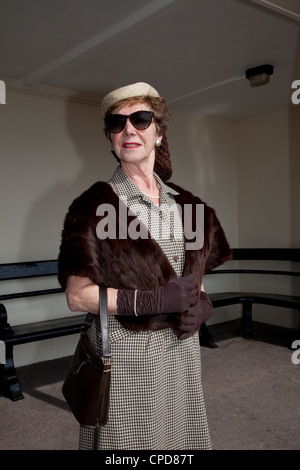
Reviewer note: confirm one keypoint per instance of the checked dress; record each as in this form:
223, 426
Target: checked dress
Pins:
156, 397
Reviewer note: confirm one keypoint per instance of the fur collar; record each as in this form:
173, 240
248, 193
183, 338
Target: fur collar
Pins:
133, 264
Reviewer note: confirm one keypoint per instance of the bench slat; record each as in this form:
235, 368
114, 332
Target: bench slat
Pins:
46, 329
226, 298
254, 271
275, 254
34, 293
28, 269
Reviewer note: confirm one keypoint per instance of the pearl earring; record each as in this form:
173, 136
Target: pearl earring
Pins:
158, 142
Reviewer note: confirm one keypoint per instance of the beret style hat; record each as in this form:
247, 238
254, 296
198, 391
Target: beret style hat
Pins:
128, 91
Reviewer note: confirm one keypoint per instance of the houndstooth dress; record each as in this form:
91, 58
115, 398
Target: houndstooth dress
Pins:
156, 398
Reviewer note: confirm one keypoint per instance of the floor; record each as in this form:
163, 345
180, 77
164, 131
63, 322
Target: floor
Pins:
251, 391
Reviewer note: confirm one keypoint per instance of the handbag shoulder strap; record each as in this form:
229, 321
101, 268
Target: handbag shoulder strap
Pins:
103, 322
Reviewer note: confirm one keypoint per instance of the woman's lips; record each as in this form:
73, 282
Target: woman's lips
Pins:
131, 145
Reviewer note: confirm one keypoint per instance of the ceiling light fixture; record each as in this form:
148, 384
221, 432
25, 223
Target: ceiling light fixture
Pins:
260, 75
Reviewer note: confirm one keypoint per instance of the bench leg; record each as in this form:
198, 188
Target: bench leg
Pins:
9, 383
206, 338
247, 330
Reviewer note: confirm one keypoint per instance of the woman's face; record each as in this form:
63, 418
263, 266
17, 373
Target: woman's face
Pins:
131, 145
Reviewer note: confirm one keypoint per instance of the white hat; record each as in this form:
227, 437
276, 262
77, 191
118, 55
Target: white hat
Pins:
128, 91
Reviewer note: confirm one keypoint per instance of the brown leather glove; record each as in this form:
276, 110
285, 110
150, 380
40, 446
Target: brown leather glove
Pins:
174, 296
198, 314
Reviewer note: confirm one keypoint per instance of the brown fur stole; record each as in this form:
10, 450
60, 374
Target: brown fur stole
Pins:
133, 264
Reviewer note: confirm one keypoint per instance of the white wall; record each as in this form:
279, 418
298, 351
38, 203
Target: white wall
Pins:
268, 198
264, 181
204, 156
53, 148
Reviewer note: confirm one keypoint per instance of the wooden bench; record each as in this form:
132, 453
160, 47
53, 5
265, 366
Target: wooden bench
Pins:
26, 333
248, 298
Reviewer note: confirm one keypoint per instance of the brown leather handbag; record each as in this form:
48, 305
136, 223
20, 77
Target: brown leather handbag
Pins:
87, 385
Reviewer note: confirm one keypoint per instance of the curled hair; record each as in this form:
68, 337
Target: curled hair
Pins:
162, 165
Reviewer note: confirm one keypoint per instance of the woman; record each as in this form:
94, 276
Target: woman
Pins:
156, 299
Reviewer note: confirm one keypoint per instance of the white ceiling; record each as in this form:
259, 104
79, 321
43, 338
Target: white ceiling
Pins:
195, 52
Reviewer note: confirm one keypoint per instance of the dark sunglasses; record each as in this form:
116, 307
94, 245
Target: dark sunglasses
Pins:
140, 120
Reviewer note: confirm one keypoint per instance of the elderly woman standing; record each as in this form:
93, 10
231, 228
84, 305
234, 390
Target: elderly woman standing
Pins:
156, 299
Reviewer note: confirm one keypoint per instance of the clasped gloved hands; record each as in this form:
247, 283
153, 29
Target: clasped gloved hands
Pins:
198, 314
174, 296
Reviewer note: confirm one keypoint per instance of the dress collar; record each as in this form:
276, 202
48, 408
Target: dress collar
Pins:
124, 185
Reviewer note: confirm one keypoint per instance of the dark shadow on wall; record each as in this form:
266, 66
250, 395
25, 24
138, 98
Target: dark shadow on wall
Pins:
295, 174
295, 157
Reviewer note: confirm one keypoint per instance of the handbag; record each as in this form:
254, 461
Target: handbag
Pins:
87, 384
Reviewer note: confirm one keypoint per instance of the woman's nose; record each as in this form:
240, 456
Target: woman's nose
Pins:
129, 128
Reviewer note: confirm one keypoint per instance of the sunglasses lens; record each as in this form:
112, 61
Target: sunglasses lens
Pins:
141, 119
115, 122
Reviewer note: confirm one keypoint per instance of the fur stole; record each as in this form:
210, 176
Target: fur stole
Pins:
133, 264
